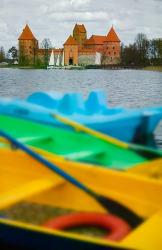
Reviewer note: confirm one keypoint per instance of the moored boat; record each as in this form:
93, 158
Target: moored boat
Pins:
134, 124
76, 146
151, 169
24, 179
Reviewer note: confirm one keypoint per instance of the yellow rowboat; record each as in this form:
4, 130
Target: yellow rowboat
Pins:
24, 179
92, 147
151, 169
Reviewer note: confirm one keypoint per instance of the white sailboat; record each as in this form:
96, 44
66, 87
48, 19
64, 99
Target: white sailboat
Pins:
58, 60
62, 64
98, 58
51, 61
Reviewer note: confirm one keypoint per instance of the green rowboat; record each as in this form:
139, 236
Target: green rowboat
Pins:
71, 145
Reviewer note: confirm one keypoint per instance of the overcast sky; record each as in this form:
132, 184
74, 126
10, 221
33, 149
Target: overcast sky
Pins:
55, 19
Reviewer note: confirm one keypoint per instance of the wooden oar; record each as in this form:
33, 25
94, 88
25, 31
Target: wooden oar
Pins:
144, 151
112, 206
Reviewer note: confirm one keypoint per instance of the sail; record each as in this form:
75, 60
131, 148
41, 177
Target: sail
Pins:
51, 61
62, 64
98, 58
58, 60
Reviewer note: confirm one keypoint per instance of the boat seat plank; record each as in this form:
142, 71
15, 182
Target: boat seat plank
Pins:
30, 139
24, 191
36, 139
83, 154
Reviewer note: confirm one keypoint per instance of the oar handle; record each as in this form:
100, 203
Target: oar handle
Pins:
141, 150
90, 131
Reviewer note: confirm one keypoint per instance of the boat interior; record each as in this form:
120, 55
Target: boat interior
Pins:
24, 181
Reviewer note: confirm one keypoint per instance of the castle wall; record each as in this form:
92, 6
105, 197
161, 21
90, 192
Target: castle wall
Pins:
112, 50
85, 59
111, 53
94, 46
108, 60
71, 52
80, 37
27, 51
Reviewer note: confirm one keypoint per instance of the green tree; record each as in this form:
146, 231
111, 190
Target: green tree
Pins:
138, 53
142, 46
46, 45
155, 51
2, 54
129, 55
159, 50
13, 52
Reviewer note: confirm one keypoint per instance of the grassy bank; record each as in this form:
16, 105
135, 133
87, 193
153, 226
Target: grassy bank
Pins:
21, 67
154, 68
111, 67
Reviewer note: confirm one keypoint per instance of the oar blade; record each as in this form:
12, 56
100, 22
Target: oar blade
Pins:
118, 209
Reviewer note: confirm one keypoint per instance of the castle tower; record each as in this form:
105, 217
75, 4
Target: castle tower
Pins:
80, 34
28, 45
71, 51
112, 47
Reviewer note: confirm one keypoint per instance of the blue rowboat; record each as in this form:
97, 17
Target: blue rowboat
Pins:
125, 124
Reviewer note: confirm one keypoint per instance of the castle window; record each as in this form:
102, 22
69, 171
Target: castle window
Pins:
114, 53
113, 47
109, 53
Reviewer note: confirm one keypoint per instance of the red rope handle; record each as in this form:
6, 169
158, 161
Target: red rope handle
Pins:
117, 228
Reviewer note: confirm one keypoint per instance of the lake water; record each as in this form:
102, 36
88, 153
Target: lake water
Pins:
127, 88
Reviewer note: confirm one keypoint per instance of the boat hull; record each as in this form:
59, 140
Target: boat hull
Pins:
137, 123
71, 145
139, 194
126, 125
32, 238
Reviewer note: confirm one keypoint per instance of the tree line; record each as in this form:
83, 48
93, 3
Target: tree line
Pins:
11, 56
142, 52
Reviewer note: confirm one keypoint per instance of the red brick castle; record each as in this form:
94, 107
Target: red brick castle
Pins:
77, 50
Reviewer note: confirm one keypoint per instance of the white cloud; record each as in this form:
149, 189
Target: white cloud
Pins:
79, 3
3, 26
79, 15
55, 18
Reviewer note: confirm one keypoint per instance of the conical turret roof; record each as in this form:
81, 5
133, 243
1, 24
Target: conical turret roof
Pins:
27, 34
71, 41
112, 36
